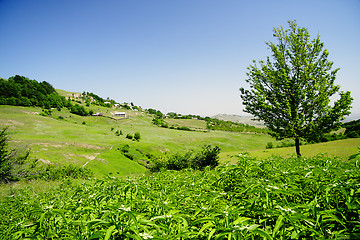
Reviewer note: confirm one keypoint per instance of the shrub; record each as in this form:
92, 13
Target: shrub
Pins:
125, 148
129, 156
137, 136
11, 160
129, 136
56, 172
183, 128
45, 112
207, 157
269, 145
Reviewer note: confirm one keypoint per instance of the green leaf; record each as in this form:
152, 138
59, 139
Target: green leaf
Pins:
262, 233
278, 224
109, 232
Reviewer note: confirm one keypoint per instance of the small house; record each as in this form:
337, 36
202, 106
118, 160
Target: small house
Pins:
119, 114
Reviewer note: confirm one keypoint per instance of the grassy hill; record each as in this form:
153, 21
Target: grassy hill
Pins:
265, 198
66, 138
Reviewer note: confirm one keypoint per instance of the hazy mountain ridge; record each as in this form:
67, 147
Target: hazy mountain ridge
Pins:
240, 119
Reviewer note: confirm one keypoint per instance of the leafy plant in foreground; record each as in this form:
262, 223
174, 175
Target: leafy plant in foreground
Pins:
274, 198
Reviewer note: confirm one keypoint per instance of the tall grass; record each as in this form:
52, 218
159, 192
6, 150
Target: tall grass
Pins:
274, 198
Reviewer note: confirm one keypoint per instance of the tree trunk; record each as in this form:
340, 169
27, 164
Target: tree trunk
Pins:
297, 146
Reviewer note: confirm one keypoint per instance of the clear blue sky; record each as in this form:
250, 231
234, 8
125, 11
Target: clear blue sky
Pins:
186, 56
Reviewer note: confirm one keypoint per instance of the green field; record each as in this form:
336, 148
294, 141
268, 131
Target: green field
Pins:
259, 196
68, 140
340, 148
91, 141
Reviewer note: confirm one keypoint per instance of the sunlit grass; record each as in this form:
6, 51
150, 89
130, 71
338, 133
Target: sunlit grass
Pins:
275, 198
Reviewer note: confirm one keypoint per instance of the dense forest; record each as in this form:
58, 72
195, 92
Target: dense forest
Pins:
21, 91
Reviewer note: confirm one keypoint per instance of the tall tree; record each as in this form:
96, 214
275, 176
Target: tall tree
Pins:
292, 91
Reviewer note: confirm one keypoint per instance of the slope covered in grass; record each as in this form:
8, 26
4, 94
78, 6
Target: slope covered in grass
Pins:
65, 138
340, 148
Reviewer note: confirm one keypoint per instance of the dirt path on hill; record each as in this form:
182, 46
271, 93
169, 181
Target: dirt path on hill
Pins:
90, 158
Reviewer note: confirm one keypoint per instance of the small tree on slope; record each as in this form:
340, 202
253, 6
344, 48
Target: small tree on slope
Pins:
291, 92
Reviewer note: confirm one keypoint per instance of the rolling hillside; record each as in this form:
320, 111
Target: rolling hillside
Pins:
66, 138
95, 141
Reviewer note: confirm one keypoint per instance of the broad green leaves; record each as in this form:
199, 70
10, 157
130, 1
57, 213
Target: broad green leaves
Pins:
275, 198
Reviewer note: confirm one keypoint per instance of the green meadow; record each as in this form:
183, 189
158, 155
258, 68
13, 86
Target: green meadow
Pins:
262, 194
65, 138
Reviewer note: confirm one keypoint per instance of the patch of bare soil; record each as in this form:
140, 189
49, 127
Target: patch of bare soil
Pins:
13, 122
45, 161
90, 158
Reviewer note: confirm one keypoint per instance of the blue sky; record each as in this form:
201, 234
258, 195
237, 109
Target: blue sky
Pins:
189, 57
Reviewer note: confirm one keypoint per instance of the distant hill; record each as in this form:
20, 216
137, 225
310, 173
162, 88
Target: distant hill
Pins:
240, 119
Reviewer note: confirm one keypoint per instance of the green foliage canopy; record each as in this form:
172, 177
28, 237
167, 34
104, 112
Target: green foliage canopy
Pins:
291, 92
21, 91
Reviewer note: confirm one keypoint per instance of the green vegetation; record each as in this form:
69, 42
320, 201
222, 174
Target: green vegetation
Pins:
216, 124
340, 148
291, 92
181, 122
12, 160
275, 198
207, 157
21, 91
352, 129
83, 179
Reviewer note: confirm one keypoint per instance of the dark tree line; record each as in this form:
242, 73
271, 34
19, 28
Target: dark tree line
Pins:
216, 124
352, 129
20, 91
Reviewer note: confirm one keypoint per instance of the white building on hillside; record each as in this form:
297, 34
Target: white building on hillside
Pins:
119, 114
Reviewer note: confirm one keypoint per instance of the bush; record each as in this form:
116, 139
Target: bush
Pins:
269, 145
45, 112
137, 136
55, 172
183, 128
78, 110
11, 160
129, 156
129, 136
208, 156
124, 148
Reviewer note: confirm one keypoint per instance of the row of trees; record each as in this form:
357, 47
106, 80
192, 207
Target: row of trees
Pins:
211, 123
21, 91
216, 124
352, 129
